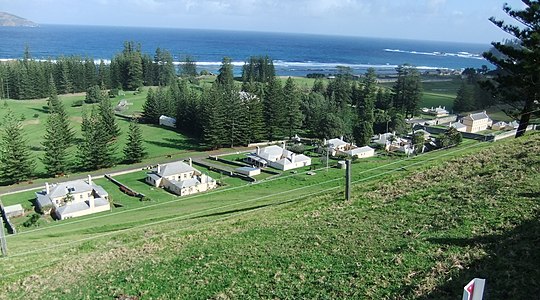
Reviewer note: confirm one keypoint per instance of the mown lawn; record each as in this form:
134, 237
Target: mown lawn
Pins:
159, 142
416, 228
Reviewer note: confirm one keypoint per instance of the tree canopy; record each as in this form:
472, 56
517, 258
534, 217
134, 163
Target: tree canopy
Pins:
518, 79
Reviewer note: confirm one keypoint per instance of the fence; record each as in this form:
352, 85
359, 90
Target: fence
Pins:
3, 243
124, 188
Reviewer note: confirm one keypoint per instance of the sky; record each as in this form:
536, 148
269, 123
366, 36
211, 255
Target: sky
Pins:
439, 20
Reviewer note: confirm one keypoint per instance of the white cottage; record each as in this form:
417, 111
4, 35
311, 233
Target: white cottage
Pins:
339, 147
167, 121
180, 178
73, 199
277, 157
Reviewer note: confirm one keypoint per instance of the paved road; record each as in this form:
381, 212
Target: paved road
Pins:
30, 186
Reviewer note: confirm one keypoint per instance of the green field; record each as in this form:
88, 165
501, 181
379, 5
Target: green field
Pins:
288, 237
159, 142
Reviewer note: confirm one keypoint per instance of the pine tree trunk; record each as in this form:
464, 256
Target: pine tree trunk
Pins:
525, 117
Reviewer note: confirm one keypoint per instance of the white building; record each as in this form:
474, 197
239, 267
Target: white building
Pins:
13, 211
248, 171
339, 147
437, 111
277, 157
458, 126
73, 199
180, 178
361, 152
167, 121
477, 122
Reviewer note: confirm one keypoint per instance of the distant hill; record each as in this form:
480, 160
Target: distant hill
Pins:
15, 21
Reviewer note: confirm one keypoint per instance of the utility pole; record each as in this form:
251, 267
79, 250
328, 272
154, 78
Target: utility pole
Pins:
348, 180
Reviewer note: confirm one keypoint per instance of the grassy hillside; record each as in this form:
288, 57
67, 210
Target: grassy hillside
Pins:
158, 141
415, 232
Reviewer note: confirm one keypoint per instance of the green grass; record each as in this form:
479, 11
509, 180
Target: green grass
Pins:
437, 99
159, 142
278, 236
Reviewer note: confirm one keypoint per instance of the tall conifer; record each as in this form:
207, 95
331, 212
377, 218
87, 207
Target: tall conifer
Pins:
134, 150
15, 160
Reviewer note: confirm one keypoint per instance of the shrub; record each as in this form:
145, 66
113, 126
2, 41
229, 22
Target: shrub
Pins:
32, 221
36, 115
146, 198
113, 93
77, 103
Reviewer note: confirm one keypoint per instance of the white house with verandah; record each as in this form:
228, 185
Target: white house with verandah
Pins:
338, 146
477, 122
73, 199
277, 157
180, 178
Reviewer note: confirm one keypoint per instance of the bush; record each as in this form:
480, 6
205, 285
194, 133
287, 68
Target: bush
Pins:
77, 103
297, 148
146, 198
113, 93
36, 116
32, 221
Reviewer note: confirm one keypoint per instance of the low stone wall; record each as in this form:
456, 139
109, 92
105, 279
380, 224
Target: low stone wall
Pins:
124, 188
266, 143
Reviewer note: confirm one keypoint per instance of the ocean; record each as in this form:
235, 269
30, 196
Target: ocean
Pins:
293, 54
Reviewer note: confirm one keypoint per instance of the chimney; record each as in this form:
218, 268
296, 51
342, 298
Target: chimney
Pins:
47, 188
91, 202
284, 146
258, 151
293, 156
89, 179
324, 142
190, 162
158, 169
341, 138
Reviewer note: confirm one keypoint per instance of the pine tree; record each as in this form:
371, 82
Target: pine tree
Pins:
274, 109
151, 111
134, 150
55, 157
235, 110
107, 117
255, 119
518, 79
365, 106
96, 150
15, 160
407, 90
226, 76
56, 106
94, 94
464, 99
213, 134
292, 106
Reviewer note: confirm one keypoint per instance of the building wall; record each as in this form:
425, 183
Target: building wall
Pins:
366, 154
84, 212
77, 197
289, 166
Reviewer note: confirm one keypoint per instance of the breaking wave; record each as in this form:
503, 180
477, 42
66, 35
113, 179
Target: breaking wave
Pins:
462, 54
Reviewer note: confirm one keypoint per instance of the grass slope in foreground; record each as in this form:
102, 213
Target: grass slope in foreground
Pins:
413, 235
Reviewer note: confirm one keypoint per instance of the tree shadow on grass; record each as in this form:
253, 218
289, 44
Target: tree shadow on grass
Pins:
511, 267
41, 109
188, 144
